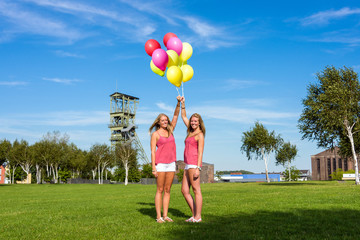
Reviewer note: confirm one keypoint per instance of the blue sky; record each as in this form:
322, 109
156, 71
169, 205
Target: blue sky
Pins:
60, 61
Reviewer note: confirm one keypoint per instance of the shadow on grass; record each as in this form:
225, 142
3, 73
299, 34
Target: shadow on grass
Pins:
5, 185
145, 203
151, 211
299, 224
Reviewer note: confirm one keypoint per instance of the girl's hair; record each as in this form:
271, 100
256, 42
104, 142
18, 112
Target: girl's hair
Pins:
201, 124
156, 124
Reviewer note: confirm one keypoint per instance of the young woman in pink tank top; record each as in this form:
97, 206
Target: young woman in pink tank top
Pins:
194, 148
163, 158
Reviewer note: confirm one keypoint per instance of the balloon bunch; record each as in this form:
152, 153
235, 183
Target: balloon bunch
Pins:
175, 59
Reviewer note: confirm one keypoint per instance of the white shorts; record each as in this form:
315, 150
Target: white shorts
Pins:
188, 166
166, 167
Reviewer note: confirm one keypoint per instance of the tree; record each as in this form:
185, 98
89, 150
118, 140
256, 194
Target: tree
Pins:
5, 147
13, 160
259, 143
294, 174
91, 163
76, 161
125, 152
42, 155
218, 175
5, 150
53, 151
332, 110
180, 175
147, 171
101, 155
285, 155
23, 154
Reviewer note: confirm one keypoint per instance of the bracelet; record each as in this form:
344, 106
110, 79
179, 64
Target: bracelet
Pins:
153, 170
182, 107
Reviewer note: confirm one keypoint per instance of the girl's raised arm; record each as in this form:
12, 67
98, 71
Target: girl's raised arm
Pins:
176, 113
183, 112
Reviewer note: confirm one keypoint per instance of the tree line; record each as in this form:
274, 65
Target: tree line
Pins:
54, 159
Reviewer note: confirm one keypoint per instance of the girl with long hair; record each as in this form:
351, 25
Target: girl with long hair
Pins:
193, 154
163, 160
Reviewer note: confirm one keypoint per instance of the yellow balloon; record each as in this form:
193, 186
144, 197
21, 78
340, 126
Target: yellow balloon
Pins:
156, 70
173, 58
181, 63
186, 52
188, 72
174, 75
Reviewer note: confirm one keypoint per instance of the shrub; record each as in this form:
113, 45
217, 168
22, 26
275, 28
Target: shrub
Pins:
147, 171
295, 174
64, 175
180, 175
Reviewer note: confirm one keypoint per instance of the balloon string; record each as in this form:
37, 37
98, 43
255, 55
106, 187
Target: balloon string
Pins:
177, 89
182, 88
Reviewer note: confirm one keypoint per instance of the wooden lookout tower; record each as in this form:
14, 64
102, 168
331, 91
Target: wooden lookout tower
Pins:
122, 122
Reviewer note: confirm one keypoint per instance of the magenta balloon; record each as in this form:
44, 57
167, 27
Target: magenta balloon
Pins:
160, 59
175, 44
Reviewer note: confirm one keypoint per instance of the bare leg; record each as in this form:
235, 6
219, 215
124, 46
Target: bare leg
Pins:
185, 189
160, 182
169, 177
195, 183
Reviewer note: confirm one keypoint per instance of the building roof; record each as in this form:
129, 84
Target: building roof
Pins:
122, 94
328, 152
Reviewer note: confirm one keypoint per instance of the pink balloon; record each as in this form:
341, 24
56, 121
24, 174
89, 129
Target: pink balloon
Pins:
160, 58
175, 44
167, 37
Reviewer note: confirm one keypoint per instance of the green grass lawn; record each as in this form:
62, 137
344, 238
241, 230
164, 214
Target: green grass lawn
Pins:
311, 210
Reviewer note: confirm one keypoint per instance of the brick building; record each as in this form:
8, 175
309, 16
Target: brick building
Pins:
2, 174
206, 174
326, 162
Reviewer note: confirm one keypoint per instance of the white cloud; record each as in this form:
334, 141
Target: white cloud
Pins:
74, 123
207, 34
67, 54
143, 27
240, 115
23, 21
130, 20
72, 7
148, 6
243, 115
233, 84
165, 107
65, 118
13, 83
350, 37
202, 28
324, 17
62, 80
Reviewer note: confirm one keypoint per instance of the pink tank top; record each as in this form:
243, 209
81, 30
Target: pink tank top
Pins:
166, 150
191, 151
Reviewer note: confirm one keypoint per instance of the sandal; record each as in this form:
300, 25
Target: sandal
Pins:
160, 220
197, 221
190, 219
168, 219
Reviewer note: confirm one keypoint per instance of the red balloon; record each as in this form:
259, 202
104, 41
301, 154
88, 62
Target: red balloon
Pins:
167, 37
151, 45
